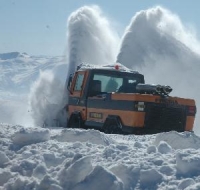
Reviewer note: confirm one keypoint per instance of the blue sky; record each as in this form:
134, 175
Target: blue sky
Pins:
38, 27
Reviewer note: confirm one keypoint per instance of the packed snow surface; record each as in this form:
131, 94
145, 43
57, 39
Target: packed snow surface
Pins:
74, 159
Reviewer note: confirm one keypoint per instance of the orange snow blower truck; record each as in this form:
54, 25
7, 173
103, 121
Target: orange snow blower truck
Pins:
117, 100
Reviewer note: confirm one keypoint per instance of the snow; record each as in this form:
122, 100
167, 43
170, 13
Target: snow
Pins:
57, 158
180, 141
30, 136
164, 148
21, 71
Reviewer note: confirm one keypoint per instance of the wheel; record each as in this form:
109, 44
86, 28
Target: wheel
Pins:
75, 121
112, 127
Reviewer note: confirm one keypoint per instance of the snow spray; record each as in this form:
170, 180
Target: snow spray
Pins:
90, 39
45, 98
157, 44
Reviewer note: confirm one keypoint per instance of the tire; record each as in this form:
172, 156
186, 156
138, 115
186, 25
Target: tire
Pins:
112, 127
75, 121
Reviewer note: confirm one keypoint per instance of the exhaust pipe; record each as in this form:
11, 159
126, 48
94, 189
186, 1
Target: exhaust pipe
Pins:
159, 89
167, 89
149, 88
153, 89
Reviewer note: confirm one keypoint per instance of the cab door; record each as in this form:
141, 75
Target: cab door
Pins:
98, 109
77, 100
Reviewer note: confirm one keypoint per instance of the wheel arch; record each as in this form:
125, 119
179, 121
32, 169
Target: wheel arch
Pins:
115, 118
112, 119
75, 115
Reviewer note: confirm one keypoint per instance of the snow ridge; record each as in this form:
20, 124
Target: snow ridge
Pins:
12, 55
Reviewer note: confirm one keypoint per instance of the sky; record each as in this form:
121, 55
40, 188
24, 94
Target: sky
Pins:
38, 27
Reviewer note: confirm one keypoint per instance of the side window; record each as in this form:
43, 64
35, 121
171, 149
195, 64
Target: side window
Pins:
108, 83
79, 82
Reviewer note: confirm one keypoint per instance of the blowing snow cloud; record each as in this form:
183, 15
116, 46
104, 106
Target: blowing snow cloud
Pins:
90, 39
157, 44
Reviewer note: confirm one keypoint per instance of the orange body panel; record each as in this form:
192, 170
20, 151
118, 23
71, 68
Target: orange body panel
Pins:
150, 98
189, 123
135, 97
128, 118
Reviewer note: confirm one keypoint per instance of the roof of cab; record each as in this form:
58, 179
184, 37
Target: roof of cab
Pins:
113, 67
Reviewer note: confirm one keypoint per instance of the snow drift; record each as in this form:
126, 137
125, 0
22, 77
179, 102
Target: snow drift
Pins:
59, 159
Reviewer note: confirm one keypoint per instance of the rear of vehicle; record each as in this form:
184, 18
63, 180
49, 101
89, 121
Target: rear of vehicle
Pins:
170, 114
153, 114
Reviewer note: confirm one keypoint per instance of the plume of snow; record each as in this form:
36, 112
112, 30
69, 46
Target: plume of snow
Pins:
45, 98
157, 44
90, 39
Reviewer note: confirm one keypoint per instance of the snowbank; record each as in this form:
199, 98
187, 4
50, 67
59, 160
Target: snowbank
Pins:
27, 136
95, 137
59, 159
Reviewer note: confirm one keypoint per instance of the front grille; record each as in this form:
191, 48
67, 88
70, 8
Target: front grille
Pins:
161, 118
